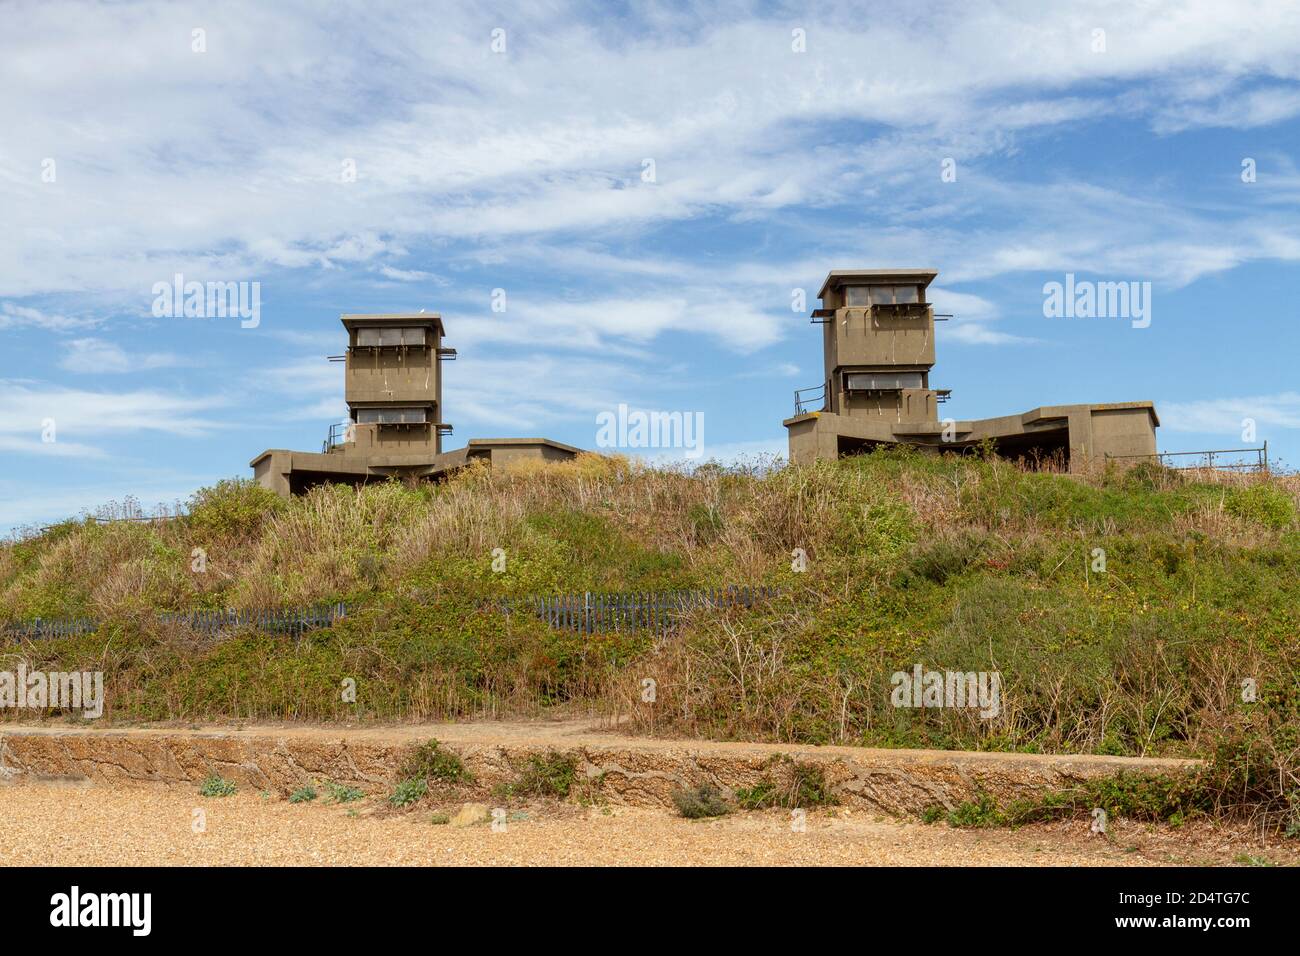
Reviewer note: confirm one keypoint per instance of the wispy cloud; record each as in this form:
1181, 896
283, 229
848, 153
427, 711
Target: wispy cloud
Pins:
96, 356
474, 146
1228, 415
13, 316
44, 415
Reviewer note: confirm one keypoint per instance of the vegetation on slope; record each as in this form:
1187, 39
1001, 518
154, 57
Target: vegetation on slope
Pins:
951, 563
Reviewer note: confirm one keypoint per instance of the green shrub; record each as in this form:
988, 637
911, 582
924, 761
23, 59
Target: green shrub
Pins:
215, 786
546, 775
1262, 504
232, 507
1151, 476
980, 812
947, 556
704, 800
793, 784
430, 762
758, 797
339, 793
705, 521
1162, 798
303, 795
408, 792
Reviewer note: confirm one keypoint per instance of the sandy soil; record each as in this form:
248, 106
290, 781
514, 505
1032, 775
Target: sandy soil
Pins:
60, 824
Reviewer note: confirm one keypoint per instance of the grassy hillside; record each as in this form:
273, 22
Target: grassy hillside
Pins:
956, 564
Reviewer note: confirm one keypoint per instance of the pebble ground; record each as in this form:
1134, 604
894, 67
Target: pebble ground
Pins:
52, 824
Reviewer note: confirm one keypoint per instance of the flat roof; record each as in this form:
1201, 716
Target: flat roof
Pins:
480, 442
839, 277
408, 319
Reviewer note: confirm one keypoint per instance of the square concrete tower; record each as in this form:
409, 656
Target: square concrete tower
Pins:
878, 350
878, 344
393, 384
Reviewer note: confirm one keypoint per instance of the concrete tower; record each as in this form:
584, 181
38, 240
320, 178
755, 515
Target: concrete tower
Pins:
878, 350
393, 390
393, 385
878, 339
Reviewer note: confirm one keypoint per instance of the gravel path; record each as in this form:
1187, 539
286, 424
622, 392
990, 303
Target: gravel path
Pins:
139, 824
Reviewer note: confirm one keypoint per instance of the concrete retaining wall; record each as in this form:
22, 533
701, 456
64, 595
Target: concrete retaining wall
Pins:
615, 769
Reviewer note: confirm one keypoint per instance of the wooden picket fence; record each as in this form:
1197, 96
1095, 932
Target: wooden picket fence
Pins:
293, 622
585, 613
62, 627
660, 611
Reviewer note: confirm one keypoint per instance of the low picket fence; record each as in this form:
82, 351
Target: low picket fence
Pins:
293, 622
660, 611
585, 613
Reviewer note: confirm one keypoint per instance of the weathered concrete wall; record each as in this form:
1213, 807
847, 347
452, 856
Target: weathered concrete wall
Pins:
617, 769
1123, 431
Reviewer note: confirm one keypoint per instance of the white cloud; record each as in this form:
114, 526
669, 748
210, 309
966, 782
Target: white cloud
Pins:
971, 319
452, 142
20, 508
409, 275
14, 316
80, 414
526, 396
1239, 109
758, 452
33, 445
624, 325
1225, 415
94, 356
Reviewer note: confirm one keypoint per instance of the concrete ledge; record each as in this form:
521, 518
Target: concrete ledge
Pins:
629, 771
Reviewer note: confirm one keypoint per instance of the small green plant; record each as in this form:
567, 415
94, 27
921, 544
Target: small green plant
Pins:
551, 774
796, 784
408, 792
215, 786
945, 557
440, 819
933, 813
704, 800
339, 793
233, 506
1167, 798
706, 521
1266, 505
303, 795
430, 762
757, 797
980, 812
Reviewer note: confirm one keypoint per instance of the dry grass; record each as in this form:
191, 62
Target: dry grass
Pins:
964, 564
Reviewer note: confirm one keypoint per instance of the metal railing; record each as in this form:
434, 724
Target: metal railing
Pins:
338, 434
135, 514
802, 401
1208, 459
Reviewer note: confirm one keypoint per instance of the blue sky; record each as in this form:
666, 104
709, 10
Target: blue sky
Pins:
128, 156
